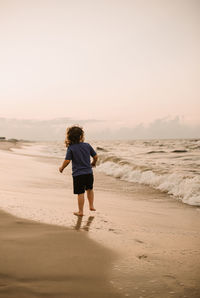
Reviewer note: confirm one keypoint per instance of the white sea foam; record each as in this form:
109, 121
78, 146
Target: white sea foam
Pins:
185, 189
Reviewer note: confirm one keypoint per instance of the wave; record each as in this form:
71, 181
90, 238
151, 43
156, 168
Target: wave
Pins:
101, 149
159, 151
185, 189
179, 151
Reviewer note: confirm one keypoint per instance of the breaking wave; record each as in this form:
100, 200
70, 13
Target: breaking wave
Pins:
183, 188
159, 151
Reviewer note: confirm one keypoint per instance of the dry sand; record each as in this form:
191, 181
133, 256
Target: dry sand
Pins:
151, 242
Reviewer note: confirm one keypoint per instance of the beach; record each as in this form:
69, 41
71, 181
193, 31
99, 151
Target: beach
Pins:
39, 260
139, 243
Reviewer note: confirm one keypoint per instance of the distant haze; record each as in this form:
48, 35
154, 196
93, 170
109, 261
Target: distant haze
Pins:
54, 130
120, 68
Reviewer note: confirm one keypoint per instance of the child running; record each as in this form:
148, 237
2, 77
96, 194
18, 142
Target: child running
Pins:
79, 153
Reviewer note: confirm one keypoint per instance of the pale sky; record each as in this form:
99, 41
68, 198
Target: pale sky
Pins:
120, 61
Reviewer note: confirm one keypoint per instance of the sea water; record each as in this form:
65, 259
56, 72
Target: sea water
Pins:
172, 166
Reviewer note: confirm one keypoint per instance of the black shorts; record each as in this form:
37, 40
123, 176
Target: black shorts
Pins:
82, 183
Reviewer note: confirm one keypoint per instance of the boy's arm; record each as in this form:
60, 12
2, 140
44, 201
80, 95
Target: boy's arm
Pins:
95, 158
64, 165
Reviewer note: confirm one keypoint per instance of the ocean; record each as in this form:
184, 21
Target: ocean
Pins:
172, 166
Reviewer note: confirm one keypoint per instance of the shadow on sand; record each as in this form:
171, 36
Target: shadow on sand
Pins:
86, 227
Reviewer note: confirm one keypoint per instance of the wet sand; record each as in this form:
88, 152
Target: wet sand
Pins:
7, 145
39, 260
150, 241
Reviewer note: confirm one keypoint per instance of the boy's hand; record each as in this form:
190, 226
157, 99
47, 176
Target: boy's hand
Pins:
64, 165
93, 164
60, 169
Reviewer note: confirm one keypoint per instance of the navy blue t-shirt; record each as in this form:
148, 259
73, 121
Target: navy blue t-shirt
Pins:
80, 155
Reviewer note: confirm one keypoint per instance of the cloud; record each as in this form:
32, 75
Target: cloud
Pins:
163, 128
47, 130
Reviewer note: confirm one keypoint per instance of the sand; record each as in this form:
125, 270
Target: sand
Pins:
139, 243
39, 260
8, 145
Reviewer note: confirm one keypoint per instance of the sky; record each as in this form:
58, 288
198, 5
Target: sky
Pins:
114, 64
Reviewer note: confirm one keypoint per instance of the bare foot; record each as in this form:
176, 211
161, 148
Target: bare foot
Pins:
92, 209
78, 214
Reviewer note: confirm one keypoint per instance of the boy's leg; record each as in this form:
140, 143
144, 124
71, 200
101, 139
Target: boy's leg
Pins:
90, 196
80, 205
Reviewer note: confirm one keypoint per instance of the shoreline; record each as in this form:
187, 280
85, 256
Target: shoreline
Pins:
156, 237
8, 145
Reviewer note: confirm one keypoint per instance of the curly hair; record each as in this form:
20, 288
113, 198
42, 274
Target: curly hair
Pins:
74, 135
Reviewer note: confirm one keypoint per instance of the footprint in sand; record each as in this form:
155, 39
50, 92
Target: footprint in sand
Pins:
117, 232
139, 241
142, 257
169, 276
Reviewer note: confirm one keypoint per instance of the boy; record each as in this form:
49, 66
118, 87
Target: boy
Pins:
80, 152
